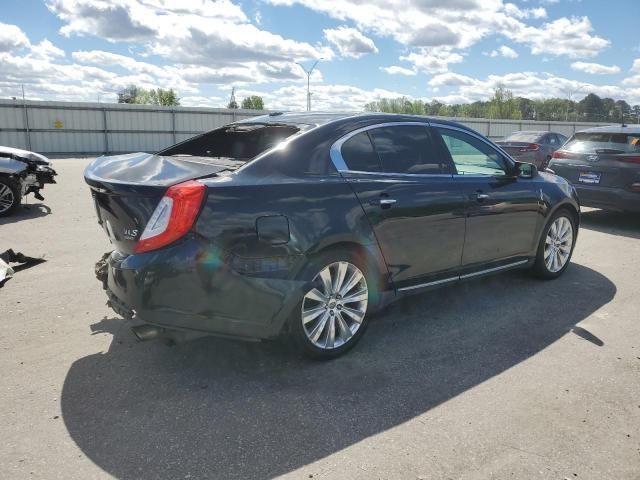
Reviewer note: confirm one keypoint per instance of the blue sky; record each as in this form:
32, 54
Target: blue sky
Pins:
449, 50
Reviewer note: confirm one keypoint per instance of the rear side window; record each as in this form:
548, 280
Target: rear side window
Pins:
601, 142
359, 155
406, 149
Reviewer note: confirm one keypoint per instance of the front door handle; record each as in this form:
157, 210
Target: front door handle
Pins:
386, 202
481, 197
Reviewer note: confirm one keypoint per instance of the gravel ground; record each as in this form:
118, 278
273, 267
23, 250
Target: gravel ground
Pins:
505, 377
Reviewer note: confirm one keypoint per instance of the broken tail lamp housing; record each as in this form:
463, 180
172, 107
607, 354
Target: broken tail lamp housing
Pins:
173, 217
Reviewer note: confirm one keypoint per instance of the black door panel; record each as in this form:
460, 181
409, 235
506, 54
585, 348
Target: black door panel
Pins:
502, 210
421, 233
502, 215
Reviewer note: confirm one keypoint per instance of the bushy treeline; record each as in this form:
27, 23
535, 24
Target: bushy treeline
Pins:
504, 105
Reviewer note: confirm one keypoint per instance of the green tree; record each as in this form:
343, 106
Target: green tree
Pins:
233, 105
592, 109
254, 102
156, 96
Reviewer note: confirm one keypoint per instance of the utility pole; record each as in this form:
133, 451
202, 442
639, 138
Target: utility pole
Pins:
309, 72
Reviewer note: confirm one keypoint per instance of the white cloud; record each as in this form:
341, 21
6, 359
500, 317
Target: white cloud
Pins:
531, 85
503, 51
595, 68
206, 32
397, 70
458, 24
350, 42
565, 36
433, 60
324, 97
12, 37
636, 66
451, 79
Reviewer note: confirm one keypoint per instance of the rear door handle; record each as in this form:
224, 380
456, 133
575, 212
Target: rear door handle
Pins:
481, 197
386, 202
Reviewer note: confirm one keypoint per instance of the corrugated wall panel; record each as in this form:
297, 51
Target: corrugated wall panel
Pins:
50, 118
67, 142
13, 139
139, 142
78, 128
11, 116
142, 120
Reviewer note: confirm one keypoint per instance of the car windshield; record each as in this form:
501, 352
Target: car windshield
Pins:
603, 142
240, 141
529, 137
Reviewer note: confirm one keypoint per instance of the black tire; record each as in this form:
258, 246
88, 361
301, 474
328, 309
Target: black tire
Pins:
540, 267
14, 189
297, 332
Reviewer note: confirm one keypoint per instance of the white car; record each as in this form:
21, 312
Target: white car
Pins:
21, 173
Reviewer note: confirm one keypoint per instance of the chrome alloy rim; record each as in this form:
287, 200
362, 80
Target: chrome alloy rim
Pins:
6, 198
333, 312
558, 244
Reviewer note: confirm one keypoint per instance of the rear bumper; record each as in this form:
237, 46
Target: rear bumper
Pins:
608, 198
190, 286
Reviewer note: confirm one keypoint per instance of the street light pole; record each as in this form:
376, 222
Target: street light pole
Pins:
309, 72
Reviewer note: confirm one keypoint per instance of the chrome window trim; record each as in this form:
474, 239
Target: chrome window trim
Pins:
482, 139
336, 154
463, 277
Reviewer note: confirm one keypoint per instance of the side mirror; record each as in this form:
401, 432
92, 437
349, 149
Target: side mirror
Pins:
526, 170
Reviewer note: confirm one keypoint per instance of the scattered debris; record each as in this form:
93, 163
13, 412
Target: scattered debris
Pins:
9, 256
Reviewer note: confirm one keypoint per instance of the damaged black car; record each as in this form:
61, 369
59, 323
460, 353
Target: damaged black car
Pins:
300, 226
21, 173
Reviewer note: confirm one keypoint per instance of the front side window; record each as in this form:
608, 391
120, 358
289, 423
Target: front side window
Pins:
406, 149
472, 156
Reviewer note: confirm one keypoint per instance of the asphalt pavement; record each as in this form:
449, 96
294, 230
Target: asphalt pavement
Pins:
503, 377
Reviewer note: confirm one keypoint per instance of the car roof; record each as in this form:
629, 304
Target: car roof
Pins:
317, 119
613, 129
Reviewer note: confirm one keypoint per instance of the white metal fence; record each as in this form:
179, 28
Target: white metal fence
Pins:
70, 128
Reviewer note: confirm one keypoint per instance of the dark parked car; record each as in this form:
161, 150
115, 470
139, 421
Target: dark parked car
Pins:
21, 173
306, 224
535, 147
603, 164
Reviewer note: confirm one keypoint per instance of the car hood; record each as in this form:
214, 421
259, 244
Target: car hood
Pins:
24, 155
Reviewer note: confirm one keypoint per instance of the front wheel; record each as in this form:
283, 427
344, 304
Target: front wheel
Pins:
333, 312
556, 246
9, 197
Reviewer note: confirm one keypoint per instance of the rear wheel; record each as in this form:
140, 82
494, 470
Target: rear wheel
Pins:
9, 196
332, 315
556, 246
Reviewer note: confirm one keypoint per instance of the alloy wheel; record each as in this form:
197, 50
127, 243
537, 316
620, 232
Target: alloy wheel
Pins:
6, 198
333, 311
558, 243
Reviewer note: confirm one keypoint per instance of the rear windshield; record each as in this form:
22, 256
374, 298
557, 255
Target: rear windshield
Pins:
239, 142
600, 142
530, 137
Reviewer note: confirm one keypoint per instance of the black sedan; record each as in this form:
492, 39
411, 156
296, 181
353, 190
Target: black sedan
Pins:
303, 225
603, 164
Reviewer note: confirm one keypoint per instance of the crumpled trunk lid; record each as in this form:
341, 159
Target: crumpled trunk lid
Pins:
127, 188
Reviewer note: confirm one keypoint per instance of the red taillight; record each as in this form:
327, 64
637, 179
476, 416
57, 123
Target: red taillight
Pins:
532, 147
561, 154
173, 217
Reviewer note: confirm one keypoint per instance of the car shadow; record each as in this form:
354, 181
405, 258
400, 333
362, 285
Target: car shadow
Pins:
26, 212
216, 408
614, 223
